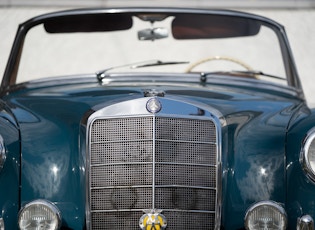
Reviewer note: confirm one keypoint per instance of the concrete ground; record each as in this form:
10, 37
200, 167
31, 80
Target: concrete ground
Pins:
298, 23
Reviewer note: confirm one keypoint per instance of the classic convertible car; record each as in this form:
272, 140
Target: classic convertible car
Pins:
154, 118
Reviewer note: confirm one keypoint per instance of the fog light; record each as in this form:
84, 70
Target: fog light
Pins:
266, 215
39, 214
305, 222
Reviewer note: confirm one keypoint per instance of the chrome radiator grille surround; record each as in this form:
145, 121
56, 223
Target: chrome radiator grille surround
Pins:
153, 162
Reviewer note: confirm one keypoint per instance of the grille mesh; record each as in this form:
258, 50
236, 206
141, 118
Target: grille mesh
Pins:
140, 163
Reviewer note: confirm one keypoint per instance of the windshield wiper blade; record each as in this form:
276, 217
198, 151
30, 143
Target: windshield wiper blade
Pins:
101, 74
159, 63
255, 73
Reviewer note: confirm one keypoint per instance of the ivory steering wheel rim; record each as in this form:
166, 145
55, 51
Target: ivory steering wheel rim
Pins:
215, 58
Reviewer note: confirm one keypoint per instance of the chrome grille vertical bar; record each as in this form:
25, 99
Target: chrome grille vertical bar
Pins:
153, 163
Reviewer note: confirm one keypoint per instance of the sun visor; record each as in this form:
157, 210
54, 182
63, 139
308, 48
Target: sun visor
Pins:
213, 26
88, 23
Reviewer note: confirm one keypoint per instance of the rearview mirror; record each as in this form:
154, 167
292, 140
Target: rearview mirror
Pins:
153, 34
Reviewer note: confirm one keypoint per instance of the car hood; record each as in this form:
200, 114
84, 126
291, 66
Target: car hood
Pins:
53, 119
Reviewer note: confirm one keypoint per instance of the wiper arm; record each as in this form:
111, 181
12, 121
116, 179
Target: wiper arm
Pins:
101, 74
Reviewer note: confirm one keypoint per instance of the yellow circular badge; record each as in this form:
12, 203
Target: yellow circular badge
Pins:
152, 220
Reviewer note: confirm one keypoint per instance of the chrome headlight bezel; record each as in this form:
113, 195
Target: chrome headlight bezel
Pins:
307, 159
2, 153
38, 207
269, 209
1, 224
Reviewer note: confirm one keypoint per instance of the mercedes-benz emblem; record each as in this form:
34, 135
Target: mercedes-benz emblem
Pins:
154, 105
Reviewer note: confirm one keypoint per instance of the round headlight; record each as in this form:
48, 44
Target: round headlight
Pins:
308, 154
39, 214
266, 215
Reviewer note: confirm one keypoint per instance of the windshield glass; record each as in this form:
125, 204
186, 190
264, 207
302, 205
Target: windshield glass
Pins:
151, 43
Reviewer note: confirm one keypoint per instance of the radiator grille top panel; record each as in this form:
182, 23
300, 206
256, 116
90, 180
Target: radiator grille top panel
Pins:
145, 163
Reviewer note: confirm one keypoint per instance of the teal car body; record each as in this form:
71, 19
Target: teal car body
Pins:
53, 157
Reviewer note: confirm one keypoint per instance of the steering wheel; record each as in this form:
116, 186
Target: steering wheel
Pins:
193, 65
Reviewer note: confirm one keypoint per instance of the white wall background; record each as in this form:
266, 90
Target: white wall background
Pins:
298, 17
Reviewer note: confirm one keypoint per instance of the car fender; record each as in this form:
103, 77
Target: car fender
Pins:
10, 170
